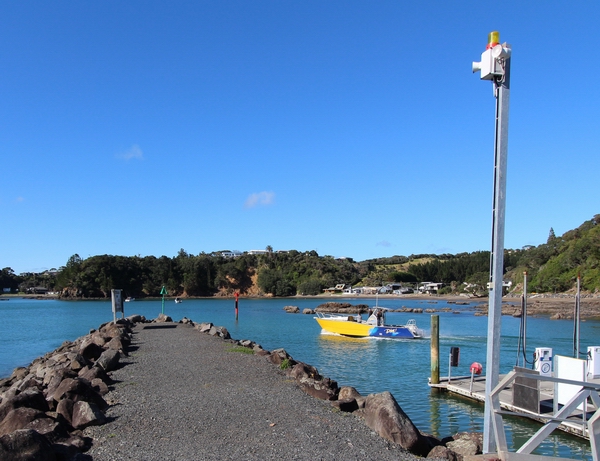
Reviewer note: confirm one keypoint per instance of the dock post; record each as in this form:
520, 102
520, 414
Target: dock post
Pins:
435, 349
236, 304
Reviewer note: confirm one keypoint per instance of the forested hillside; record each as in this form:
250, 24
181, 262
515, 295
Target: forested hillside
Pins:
551, 267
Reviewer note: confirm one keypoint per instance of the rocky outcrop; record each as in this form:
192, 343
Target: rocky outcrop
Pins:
291, 309
44, 407
342, 308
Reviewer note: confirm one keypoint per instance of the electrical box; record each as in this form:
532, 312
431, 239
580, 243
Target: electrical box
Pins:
490, 66
543, 361
593, 362
454, 355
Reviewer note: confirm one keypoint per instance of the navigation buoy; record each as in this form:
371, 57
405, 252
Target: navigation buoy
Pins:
476, 368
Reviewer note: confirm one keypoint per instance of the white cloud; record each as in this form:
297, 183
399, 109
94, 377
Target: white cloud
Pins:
19, 199
259, 198
384, 243
133, 152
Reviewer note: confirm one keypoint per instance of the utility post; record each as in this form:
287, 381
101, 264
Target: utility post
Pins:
495, 66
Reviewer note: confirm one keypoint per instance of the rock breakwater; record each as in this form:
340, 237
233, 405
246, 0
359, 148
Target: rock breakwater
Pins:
81, 402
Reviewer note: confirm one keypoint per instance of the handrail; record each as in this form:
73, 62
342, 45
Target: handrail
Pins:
591, 390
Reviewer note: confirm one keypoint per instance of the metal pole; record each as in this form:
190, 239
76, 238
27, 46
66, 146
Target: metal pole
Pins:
435, 349
576, 321
502, 93
524, 314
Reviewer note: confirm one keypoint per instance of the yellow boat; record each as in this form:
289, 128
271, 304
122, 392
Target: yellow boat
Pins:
354, 326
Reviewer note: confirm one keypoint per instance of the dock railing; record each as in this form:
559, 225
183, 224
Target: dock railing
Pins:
590, 426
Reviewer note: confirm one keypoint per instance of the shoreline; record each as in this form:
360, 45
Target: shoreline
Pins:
558, 305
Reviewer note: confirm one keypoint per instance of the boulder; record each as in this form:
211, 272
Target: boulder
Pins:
48, 427
78, 389
384, 415
99, 339
99, 386
65, 409
86, 414
136, 318
308, 311
116, 343
163, 318
441, 452
90, 374
19, 418
291, 309
348, 392
89, 349
26, 445
204, 327
279, 355
466, 443
30, 381
30, 398
78, 362
108, 360
346, 405
219, 331
312, 383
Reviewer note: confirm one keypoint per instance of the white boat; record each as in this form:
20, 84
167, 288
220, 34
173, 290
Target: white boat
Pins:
177, 301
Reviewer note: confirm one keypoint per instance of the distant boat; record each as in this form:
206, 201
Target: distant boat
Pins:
129, 299
177, 300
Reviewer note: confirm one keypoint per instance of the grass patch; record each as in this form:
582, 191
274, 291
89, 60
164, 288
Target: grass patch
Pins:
241, 349
285, 364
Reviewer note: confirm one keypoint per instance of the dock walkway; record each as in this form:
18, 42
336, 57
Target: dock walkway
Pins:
474, 389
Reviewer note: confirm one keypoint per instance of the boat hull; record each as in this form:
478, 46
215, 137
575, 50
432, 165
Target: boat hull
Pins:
362, 330
345, 327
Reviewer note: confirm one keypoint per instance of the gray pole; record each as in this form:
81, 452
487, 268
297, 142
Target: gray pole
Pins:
524, 314
502, 93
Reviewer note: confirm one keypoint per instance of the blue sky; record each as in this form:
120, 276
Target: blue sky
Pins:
351, 128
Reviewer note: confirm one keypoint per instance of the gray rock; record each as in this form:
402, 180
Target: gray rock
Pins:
204, 327
86, 414
441, 452
65, 409
292, 309
19, 418
31, 398
312, 383
384, 416
26, 445
466, 443
109, 360
163, 318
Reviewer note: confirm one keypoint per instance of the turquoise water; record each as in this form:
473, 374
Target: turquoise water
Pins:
30, 328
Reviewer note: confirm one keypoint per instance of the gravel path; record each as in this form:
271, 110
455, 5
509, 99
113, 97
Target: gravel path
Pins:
185, 395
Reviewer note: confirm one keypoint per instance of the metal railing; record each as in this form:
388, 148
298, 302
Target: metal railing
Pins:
590, 427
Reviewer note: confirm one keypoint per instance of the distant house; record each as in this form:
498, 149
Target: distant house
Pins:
257, 252
38, 290
5, 290
231, 254
430, 287
336, 289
